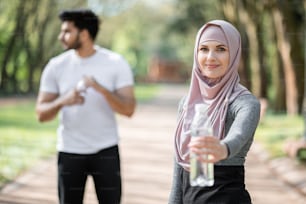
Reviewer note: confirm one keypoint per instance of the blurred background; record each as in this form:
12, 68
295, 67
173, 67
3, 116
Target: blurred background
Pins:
157, 39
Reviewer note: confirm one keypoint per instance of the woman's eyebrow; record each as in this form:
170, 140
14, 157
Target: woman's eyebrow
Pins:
221, 45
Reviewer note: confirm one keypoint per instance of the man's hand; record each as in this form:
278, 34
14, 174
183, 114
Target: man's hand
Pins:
121, 100
73, 97
48, 104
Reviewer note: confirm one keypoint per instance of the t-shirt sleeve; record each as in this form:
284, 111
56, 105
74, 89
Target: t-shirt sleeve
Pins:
48, 81
125, 76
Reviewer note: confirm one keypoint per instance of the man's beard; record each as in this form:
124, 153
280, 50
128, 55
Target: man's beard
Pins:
76, 44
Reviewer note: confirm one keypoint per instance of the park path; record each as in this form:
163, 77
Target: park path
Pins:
146, 148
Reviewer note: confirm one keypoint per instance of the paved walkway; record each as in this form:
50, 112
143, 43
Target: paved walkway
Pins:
147, 156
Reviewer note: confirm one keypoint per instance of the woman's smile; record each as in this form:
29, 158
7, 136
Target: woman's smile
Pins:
212, 66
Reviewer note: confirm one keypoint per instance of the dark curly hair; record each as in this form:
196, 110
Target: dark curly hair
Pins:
82, 19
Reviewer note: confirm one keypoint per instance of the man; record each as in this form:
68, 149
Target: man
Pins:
86, 85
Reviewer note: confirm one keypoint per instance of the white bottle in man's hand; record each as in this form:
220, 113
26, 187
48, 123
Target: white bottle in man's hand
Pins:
81, 87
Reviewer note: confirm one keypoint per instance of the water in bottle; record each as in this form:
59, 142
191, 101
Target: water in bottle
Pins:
201, 174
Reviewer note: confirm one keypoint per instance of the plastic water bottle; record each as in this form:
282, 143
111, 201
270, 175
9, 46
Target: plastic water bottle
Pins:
201, 174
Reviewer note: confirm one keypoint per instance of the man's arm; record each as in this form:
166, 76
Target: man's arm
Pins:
49, 104
122, 100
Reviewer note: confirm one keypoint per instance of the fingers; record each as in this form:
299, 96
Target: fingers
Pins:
73, 97
204, 139
204, 142
207, 155
208, 148
80, 100
89, 81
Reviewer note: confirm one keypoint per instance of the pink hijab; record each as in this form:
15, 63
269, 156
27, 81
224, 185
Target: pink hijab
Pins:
217, 97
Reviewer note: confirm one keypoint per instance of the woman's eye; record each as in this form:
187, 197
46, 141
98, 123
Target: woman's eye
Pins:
204, 49
221, 49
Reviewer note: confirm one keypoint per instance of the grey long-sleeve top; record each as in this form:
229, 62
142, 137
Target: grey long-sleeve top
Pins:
241, 122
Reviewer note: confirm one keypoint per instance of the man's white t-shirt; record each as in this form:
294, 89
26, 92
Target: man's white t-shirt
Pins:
90, 127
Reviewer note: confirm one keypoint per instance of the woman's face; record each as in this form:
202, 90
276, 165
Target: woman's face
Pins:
213, 58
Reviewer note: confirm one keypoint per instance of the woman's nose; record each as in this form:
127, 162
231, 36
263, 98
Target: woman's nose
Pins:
211, 55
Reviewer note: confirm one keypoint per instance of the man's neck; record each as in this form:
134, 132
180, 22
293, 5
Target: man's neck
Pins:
86, 50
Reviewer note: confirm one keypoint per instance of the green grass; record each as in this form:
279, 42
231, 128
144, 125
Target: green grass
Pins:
23, 140
145, 92
275, 130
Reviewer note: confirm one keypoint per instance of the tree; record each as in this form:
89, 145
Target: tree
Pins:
9, 48
271, 59
304, 100
266, 51
29, 42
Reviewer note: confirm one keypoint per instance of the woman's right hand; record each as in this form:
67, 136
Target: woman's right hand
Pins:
208, 145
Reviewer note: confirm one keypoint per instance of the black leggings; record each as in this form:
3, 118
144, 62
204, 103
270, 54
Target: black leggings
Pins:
103, 166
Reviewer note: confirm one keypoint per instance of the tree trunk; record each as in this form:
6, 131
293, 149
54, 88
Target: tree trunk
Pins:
251, 30
295, 14
262, 65
284, 48
5, 78
304, 101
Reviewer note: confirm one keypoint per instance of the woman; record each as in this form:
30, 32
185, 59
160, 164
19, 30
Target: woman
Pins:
233, 111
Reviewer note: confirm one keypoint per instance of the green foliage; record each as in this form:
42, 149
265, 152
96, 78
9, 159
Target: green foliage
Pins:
274, 130
192, 14
138, 39
301, 155
165, 29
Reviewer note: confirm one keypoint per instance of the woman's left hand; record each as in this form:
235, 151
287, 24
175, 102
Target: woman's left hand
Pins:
208, 145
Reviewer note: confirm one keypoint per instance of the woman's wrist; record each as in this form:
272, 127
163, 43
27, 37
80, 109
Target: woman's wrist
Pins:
226, 151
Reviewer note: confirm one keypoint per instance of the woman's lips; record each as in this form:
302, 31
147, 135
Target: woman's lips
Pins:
212, 66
